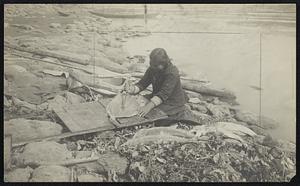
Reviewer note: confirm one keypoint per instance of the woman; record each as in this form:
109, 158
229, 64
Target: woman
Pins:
167, 93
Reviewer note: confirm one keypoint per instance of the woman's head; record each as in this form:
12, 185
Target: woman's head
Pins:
159, 59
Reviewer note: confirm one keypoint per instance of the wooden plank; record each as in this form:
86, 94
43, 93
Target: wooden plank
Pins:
83, 116
152, 116
71, 162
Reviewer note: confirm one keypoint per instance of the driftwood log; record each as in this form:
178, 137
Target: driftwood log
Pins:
199, 87
46, 53
102, 62
207, 90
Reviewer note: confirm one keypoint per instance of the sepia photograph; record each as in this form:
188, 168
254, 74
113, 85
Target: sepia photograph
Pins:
149, 93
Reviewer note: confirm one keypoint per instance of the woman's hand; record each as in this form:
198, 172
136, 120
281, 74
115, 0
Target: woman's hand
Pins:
146, 109
129, 88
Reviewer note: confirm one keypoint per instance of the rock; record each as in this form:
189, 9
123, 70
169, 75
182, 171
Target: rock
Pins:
90, 178
71, 146
47, 152
70, 26
199, 108
93, 167
113, 161
194, 100
219, 111
23, 27
14, 69
18, 175
258, 130
204, 118
66, 99
55, 25
269, 141
116, 55
6, 102
19, 103
6, 25
52, 173
137, 67
24, 130
29, 87
191, 94
253, 119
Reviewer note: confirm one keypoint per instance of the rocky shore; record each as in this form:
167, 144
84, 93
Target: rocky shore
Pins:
44, 59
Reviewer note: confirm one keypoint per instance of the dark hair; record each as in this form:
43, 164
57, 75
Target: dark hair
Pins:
159, 56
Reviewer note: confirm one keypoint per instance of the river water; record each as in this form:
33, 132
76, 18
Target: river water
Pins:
234, 59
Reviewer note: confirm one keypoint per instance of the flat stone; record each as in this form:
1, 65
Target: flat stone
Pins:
47, 152
52, 173
24, 130
18, 175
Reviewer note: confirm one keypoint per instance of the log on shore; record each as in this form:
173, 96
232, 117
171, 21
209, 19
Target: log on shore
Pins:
46, 53
200, 87
99, 61
208, 91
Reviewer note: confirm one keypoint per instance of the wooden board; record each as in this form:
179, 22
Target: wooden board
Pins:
95, 120
84, 116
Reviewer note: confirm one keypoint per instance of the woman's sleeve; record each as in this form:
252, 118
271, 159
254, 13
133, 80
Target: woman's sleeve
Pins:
145, 81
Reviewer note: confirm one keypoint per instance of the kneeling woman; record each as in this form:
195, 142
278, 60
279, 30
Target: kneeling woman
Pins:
167, 93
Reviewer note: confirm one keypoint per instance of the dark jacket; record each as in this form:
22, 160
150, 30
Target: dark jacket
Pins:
167, 86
